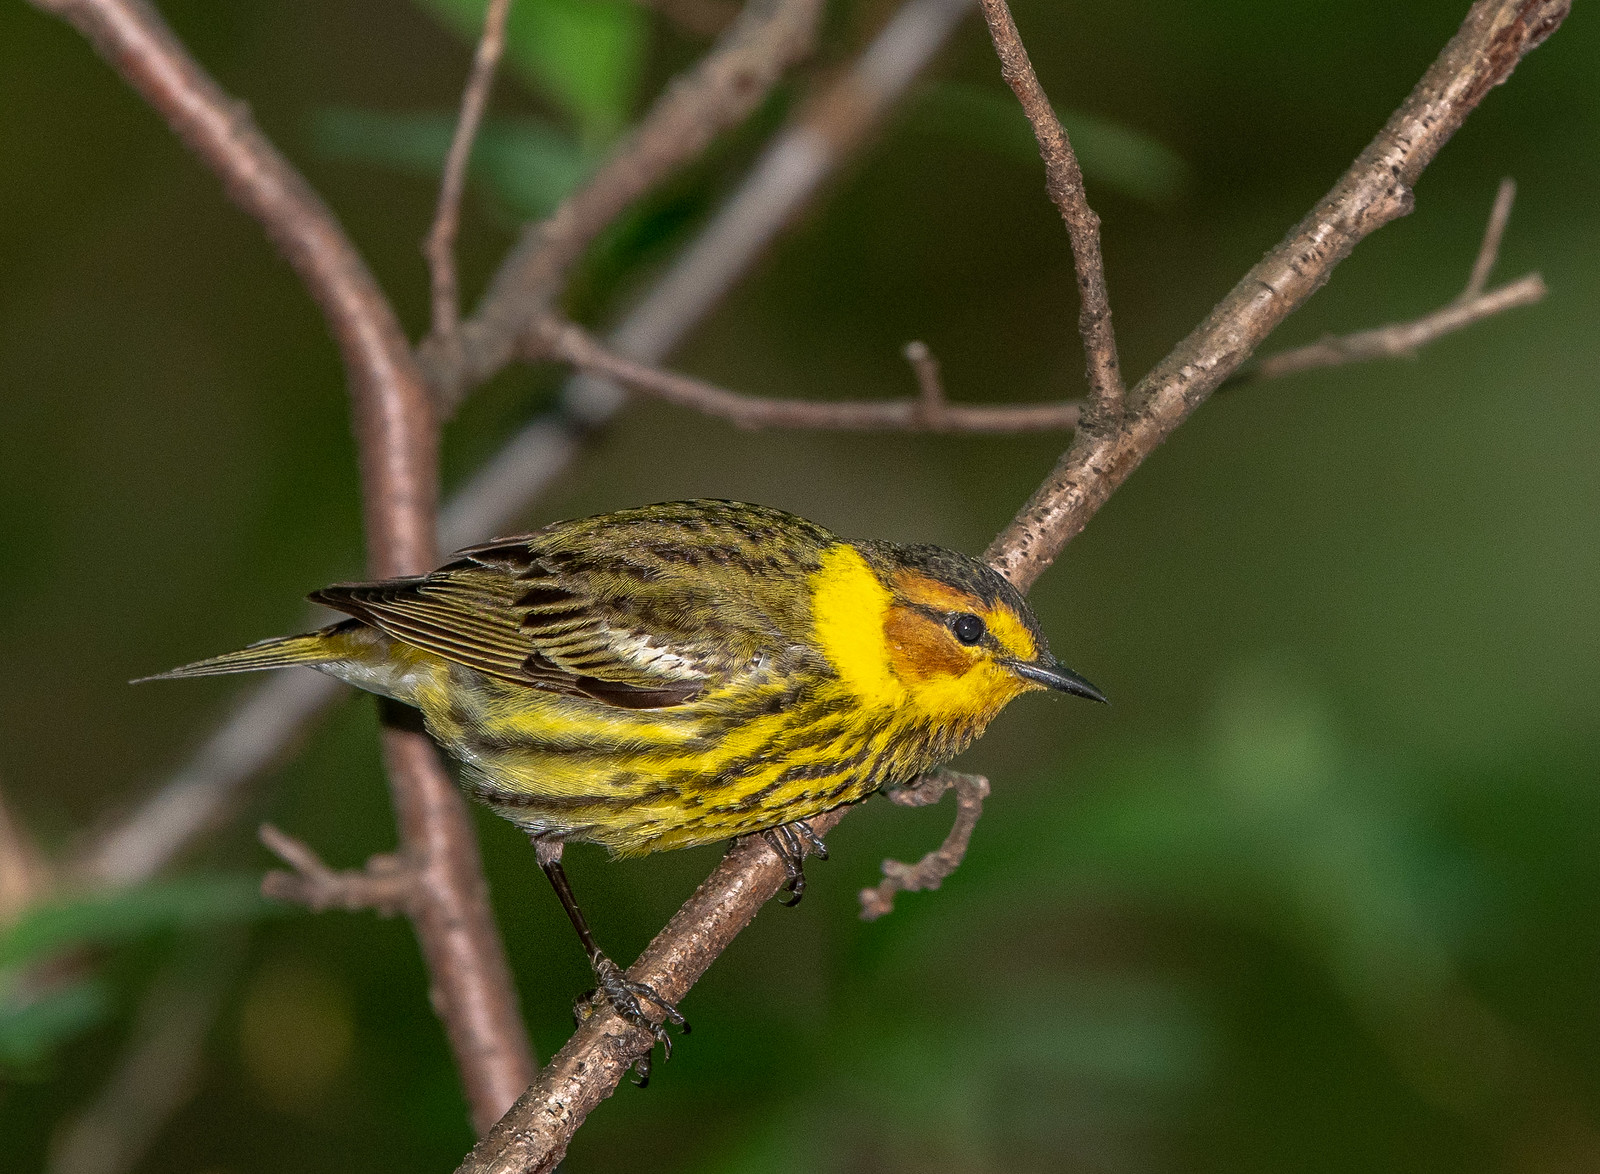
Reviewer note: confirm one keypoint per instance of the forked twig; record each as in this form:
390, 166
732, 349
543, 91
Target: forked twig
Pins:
1402, 340
387, 885
929, 872
559, 339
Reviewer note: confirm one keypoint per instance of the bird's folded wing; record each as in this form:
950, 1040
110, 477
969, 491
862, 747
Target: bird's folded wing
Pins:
522, 628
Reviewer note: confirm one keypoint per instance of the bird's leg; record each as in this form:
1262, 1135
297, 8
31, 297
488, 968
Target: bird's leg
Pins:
614, 987
790, 842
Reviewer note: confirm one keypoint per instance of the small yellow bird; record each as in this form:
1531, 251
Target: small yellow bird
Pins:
683, 673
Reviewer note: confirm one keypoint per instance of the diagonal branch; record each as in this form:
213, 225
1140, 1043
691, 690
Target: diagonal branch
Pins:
440, 246
1064, 182
1495, 35
1402, 340
719, 93
397, 441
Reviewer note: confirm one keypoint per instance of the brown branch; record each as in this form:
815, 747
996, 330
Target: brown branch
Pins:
534, 1135
929, 872
719, 93
563, 340
1398, 340
1375, 190
440, 246
1064, 182
397, 443
387, 885
1402, 340
267, 718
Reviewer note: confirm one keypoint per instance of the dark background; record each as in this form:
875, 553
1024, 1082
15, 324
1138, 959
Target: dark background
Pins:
1317, 891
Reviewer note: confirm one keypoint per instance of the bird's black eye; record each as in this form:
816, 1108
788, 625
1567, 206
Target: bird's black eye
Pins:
967, 627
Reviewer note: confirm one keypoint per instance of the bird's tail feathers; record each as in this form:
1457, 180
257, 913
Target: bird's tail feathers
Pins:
278, 652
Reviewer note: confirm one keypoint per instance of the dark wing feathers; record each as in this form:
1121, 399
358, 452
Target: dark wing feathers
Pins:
615, 608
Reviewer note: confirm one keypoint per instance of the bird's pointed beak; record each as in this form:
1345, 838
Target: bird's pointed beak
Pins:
1054, 676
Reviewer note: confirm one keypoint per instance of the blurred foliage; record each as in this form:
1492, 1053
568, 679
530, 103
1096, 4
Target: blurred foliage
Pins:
1316, 892
527, 165
44, 1005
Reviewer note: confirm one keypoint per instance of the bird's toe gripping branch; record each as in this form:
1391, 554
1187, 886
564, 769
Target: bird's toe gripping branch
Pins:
627, 998
789, 843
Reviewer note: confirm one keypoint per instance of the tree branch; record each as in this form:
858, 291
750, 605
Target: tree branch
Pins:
720, 92
1064, 182
929, 872
563, 340
440, 246
397, 442
387, 885
1402, 340
1375, 190
534, 1135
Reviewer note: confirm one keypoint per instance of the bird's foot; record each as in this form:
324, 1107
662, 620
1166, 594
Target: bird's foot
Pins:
790, 842
627, 998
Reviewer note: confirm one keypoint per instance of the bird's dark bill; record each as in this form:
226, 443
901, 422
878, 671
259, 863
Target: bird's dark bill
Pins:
1058, 677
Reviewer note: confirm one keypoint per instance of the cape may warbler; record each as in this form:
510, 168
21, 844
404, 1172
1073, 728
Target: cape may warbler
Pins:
682, 673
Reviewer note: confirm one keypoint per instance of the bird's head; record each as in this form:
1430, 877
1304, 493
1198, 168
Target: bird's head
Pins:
933, 629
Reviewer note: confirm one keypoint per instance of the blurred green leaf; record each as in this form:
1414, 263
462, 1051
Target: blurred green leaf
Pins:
528, 165
31, 1030
1124, 159
928, 1091
123, 915
587, 55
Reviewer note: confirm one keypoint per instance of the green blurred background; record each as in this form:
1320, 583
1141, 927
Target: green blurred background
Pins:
1317, 892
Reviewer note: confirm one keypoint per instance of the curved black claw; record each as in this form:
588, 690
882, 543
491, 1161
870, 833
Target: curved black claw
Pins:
626, 998
790, 842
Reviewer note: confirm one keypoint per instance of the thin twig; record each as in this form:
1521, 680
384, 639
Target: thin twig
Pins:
932, 405
398, 451
440, 246
727, 85
1399, 340
572, 344
1402, 340
387, 885
1064, 182
1495, 35
931, 871
1489, 249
